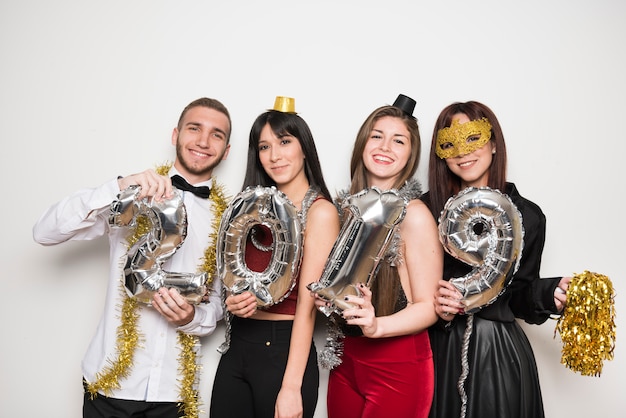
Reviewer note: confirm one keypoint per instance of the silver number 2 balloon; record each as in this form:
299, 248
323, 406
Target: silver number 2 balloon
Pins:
143, 272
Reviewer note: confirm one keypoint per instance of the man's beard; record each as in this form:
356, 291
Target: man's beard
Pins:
200, 171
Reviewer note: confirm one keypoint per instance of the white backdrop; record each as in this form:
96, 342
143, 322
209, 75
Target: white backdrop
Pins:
91, 90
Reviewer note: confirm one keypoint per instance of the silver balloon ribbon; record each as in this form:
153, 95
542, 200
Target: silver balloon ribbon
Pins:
143, 272
329, 356
371, 217
228, 318
483, 228
469, 327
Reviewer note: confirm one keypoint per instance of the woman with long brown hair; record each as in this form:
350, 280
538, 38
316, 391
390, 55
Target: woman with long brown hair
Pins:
386, 366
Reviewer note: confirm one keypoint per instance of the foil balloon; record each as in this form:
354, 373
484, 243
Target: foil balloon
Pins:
143, 271
370, 220
483, 228
271, 208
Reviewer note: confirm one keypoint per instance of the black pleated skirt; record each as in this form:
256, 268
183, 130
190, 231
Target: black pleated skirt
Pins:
502, 381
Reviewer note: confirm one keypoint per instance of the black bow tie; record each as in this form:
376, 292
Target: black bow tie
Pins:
181, 184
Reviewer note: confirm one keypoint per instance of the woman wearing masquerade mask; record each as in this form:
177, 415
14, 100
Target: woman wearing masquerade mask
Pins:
386, 367
468, 150
270, 369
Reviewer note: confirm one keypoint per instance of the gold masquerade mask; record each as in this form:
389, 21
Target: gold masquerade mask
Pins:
462, 138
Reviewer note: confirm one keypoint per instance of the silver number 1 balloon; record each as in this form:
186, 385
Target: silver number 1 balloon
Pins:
370, 221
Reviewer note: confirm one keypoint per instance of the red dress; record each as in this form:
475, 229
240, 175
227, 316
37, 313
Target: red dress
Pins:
382, 377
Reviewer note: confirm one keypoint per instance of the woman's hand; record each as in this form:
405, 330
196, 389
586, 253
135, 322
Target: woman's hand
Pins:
363, 313
448, 301
560, 293
242, 305
319, 301
288, 403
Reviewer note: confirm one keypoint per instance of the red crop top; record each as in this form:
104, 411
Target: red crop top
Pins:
258, 260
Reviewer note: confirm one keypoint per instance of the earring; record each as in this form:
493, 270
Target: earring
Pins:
493, 151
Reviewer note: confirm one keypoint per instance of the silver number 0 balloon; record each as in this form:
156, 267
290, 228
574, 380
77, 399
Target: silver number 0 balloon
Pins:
483, 228
143, 272
260, 206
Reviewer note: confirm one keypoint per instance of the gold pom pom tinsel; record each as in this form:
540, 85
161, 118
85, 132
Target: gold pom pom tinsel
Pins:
587, 326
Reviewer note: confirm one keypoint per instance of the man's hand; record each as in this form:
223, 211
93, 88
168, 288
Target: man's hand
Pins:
152, 184
174, 307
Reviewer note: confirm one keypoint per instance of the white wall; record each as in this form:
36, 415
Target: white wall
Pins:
90, 90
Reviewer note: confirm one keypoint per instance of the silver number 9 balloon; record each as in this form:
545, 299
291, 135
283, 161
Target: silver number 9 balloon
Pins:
483, 228
260, 206
370, 221
143, 272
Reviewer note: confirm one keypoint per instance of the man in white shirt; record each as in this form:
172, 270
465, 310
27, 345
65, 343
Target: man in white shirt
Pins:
142, 360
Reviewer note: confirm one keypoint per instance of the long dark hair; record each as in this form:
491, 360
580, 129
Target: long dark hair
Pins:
282, 124
442, 183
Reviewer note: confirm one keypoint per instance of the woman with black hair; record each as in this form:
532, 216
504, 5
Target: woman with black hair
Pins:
270, 369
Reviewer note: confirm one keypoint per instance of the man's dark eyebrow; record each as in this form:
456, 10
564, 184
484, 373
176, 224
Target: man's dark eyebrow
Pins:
192, 123
220, 131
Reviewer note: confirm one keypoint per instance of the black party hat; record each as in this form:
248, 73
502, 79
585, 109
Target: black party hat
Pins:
406, 104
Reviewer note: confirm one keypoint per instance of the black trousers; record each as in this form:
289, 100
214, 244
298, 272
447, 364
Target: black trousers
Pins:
104, 407
250, 373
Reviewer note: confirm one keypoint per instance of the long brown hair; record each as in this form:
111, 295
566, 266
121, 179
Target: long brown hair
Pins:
386, 286
442, 183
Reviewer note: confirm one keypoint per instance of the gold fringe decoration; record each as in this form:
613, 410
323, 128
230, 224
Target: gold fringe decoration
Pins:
189, 369
188, 362
127, 335
587, 326
164, 169
127, 341
220, 203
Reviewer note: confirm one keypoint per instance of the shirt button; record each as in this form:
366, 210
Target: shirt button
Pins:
267, 343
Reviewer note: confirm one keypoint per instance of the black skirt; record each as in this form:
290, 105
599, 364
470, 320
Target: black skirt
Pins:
502, 380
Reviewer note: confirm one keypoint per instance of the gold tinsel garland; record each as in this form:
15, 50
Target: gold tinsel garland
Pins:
187, 359
587, 326
127, 341
128, 336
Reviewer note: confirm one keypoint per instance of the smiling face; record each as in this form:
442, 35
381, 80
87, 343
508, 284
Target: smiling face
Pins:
386, 152
201, 143
472, 168
282, 158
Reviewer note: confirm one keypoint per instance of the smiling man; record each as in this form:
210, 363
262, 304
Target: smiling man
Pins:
142, 359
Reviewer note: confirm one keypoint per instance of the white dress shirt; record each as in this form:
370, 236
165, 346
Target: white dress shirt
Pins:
155, 371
